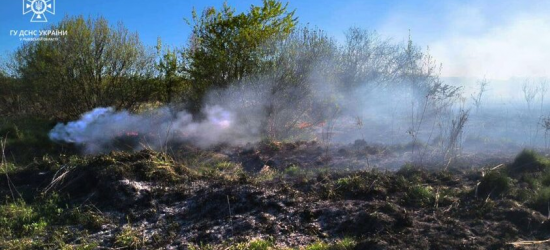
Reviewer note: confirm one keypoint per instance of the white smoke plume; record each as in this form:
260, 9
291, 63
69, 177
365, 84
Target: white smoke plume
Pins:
104, 129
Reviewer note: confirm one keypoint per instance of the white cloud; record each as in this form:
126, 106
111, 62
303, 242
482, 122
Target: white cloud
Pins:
519, 48
498, 39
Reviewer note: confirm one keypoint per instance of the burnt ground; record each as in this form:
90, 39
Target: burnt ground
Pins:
290, 195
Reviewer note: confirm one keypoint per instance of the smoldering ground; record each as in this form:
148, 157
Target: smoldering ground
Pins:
331, 95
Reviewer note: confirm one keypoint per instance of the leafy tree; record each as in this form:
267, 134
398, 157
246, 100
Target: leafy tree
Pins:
369, 63
10, 95
366, 59
301, 74
225, 46
419, 71
171, 81
293, 90
94, 65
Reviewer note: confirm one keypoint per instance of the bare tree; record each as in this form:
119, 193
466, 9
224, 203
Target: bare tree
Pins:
529, 93
545, 123
477, 96
543, 87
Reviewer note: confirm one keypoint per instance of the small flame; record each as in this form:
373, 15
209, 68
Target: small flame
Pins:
304, 125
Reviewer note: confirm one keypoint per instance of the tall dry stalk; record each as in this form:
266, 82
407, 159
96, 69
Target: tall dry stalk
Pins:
530, 92
416, 124
455, 135
478, 96
360, 125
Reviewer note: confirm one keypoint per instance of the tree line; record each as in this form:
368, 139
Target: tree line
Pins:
101, 64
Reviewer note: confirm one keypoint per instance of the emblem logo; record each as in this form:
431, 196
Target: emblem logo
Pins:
39, 8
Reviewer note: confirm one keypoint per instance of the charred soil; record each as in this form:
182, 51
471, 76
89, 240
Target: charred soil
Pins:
272, 196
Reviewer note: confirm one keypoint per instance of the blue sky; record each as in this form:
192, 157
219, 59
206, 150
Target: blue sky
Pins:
165, 19
498, 38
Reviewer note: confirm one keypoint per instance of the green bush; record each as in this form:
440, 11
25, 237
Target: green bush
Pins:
411, 173
420, 196
528, 161
351, 183
494, 183
293, 171
86, 217
544, 179
541, 201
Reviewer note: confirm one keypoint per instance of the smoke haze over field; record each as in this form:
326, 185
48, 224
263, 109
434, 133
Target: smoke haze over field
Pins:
237, 116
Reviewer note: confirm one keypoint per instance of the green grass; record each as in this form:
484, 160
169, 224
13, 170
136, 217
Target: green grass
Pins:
352, 186
257, 244
130, 238
20, 219
27, 139
261, 244
225, 170
46, 223
344, 244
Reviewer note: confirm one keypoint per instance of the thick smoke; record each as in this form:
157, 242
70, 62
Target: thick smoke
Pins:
104, 129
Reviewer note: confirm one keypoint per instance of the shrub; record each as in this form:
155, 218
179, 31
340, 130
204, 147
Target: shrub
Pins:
411, 173
351, 183
528, 161
85, 217
494, 183
541, 201
544, 179
293, 171
354, 186
420, 196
